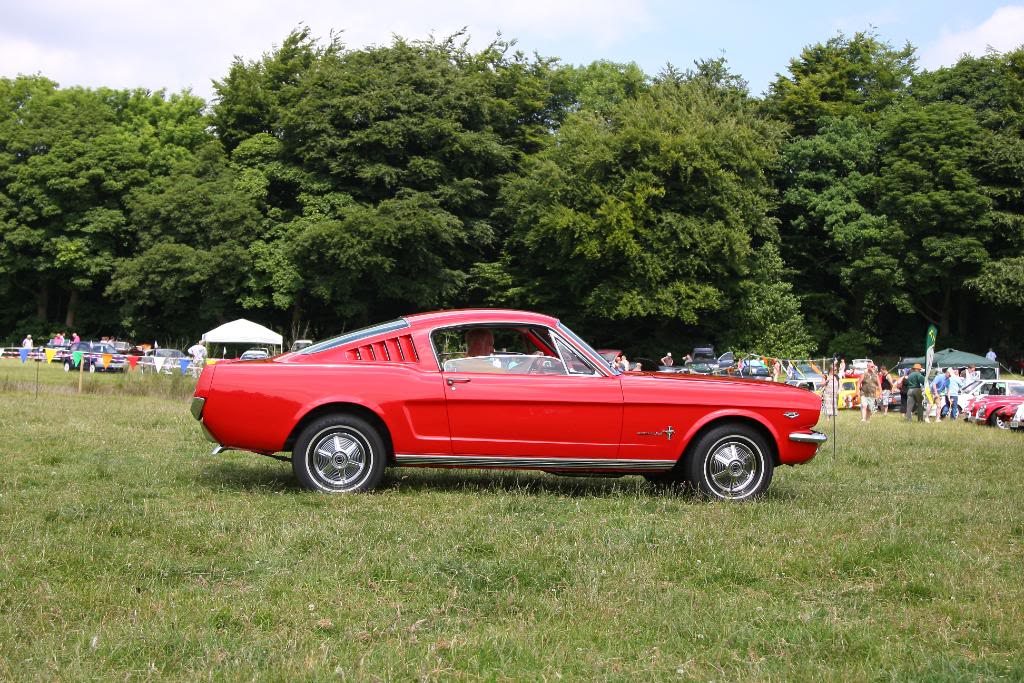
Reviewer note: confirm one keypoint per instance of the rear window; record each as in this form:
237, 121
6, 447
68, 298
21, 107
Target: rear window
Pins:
355, 335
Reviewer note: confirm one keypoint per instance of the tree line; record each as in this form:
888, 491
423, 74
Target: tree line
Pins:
857, 201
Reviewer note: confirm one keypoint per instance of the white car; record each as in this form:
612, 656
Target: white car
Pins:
858, 366
988, 387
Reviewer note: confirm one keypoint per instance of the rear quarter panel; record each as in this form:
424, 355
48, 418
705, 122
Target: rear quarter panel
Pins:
255, 405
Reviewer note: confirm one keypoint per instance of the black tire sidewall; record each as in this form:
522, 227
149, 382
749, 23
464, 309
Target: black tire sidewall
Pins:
352, 425
696, 468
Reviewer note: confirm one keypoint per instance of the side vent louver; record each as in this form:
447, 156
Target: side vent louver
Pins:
399, 349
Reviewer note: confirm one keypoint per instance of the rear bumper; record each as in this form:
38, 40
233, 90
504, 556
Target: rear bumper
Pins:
196, 408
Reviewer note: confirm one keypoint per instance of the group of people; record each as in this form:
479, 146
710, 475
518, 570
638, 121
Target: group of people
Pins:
58, 339
875, 388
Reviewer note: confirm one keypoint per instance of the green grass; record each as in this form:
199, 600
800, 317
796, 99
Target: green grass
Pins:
128, 552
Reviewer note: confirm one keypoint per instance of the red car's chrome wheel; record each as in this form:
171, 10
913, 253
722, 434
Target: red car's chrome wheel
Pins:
731, 462
339, 454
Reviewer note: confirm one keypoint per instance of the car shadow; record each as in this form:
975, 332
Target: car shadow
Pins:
278, 478
249, 476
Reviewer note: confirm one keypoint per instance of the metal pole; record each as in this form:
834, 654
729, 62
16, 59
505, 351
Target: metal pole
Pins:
81, 365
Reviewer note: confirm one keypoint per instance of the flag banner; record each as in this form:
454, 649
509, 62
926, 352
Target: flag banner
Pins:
133, 361
76, 358
184, 363
929, 352
107, 357
158, 362
50, 353
23, 354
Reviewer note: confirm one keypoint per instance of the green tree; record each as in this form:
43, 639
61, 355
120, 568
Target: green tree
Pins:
857, 76
652, 213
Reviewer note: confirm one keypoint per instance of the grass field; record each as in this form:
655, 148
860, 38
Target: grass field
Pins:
128, 552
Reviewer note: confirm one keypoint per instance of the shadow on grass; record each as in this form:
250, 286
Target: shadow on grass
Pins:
249, 476
278, 478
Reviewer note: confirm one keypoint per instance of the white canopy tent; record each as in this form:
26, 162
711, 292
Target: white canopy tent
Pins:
243, 331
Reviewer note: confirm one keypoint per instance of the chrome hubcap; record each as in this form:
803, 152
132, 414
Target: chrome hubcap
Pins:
339, 459
733, 469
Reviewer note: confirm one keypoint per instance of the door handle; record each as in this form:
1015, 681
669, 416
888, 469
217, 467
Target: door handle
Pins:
452, 381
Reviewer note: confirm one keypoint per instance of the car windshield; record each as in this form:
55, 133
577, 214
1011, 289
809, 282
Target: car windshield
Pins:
971, 388
103, 348
1015, 390
355, 335
584, 345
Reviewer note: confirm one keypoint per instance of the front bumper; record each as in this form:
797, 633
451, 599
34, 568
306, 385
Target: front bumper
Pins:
809, 436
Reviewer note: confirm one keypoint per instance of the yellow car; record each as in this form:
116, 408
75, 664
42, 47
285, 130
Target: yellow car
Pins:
849, 396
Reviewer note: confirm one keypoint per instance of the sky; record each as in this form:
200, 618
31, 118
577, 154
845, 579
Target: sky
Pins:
182, 44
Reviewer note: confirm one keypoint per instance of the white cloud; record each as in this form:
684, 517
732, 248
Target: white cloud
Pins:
127, 43
1003, 31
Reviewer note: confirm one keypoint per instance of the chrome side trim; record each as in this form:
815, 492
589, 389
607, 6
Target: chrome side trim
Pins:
197, 407
812, 437
535, 463
219, 449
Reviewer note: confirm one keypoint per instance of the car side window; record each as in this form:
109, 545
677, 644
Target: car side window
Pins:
497, 349
574, 362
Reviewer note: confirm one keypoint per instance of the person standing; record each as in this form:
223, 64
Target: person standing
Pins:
75, 338
953, 393
885, 381
869, 390
198, 353
938, 395
829, 392
26, 343
915, 388
972, 373
991, 355
666, 360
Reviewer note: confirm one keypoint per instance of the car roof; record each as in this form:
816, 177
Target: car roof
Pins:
469, 316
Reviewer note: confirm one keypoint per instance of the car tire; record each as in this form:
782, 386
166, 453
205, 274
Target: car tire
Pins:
339, 453
92, 367
998, 422
731, 461
67, 366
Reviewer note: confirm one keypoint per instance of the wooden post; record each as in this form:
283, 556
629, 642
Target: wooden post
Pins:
81, 367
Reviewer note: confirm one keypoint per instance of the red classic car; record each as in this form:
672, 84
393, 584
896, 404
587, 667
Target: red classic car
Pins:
499, 389
989, 410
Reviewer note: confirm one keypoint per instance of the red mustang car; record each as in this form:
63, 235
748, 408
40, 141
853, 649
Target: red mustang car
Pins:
499, 389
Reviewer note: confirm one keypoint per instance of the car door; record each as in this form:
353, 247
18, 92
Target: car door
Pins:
544, 411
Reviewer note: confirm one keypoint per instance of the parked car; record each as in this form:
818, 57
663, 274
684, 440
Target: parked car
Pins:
168, 360
987, 387
858, 366
94, 357
430, 390
848, 396
1017, 421
255, 354
754, 369
987, 410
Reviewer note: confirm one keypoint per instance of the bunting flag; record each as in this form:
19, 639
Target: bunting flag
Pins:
183, 364
23, 354
107, 357
50, 353
76, 358
158, 362
133, 361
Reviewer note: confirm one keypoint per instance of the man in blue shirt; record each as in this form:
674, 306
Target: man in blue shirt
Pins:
938, 395
954, 384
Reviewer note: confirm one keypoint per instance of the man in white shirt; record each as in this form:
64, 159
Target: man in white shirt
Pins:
991, 355
26, 343
198, 353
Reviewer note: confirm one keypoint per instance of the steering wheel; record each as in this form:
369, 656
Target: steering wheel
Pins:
544, 365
